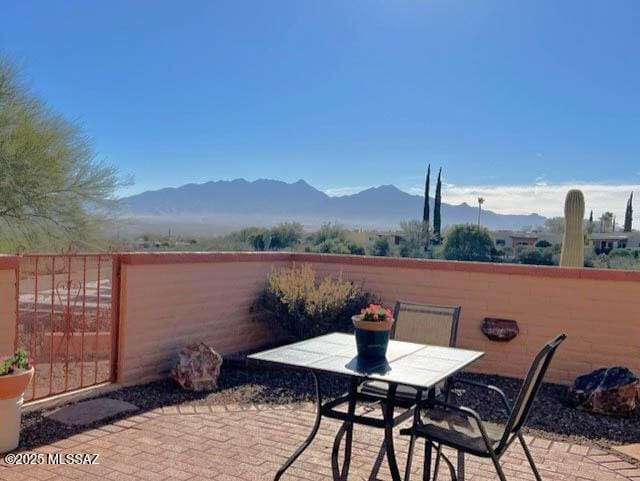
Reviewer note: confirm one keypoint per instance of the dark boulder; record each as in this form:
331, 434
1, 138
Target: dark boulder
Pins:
611, 391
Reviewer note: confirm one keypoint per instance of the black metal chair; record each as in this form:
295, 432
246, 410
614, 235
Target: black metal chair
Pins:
423, 323
462, 428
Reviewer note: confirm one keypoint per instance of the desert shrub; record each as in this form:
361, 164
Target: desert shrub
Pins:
298, 304
333, 239
535, 256
620, 253
285, 234
543, 243
468, 243
617, 259
327, 232
623, 262
415, 238
380, 247
355, 248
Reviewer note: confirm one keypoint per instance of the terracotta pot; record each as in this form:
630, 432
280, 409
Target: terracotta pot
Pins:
13, 385
372, 338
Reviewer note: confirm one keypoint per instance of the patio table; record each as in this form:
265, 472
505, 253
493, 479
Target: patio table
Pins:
417, 365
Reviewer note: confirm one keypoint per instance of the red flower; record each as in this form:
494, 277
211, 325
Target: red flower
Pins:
376, 313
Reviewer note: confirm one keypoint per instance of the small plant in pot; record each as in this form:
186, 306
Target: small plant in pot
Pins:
16, 373
372, 329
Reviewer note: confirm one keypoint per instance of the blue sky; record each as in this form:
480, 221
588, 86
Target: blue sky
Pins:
516, 100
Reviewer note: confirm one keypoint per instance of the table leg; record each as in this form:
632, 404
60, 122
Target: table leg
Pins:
388, 432
460, 466
346, 428
312, 434
412, 440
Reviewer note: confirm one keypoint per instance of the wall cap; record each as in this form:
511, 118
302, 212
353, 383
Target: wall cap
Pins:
150, 258
8, 262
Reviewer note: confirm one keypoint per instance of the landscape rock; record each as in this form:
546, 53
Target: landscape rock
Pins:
198, 368
611, 391
500, 329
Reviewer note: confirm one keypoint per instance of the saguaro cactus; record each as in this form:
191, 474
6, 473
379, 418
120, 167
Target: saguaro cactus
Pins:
573, 241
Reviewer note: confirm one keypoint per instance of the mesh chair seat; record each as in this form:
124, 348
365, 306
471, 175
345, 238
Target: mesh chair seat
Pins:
381, 388
458, 431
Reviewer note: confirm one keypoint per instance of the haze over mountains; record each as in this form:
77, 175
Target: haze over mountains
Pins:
263, 202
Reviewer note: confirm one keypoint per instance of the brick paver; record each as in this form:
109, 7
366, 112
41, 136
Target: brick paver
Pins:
233, 443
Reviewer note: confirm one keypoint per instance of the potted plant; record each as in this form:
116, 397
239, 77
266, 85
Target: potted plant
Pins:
16, 373
372, 329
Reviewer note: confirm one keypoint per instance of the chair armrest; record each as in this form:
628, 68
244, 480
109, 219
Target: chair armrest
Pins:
472, 414
490, 387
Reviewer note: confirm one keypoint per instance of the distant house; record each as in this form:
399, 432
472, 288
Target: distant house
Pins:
368, 236
604, 242
523, 240
515, 239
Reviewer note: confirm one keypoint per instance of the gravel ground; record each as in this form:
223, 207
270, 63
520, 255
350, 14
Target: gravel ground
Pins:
550, 416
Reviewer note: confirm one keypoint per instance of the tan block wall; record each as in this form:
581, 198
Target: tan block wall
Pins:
164, 307
169, 300
600, 317
7, 311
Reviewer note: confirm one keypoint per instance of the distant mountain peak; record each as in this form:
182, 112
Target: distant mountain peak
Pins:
383, 206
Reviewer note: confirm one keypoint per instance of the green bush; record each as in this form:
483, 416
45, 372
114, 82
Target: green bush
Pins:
327, 232
380, 247
333, 239
535, 256
281, 236
300, 306
625, 259
619, 252
285, 234
415, 238
468, 243
543, 243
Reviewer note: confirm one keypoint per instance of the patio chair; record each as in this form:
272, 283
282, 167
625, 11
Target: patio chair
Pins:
462, 428
421, 323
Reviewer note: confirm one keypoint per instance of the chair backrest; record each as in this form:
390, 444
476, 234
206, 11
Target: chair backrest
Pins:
530, 387
425, 323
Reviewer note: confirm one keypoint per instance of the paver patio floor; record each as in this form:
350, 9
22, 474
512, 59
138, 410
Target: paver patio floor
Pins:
233, 443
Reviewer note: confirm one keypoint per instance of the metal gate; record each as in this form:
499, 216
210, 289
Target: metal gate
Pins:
67, 308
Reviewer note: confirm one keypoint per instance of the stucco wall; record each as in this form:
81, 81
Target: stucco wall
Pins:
164, 307
600, 316
168, 300
8, 293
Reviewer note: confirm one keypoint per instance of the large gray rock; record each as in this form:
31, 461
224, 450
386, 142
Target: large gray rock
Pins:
198, 368
612, 391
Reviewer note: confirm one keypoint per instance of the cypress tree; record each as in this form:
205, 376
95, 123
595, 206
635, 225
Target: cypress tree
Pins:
425, 212
628, 215
437, 220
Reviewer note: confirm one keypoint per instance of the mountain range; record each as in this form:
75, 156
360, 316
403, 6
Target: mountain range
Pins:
266, 201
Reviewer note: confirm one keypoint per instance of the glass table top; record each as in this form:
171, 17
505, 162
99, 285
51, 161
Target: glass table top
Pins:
406, 363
